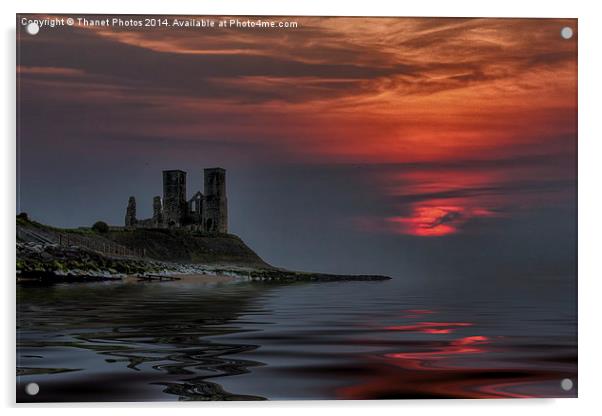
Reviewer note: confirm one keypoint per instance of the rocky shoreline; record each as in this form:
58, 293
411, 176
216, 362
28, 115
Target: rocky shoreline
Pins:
54, 263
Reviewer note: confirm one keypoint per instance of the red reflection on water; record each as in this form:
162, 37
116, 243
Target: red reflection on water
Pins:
448, 383
430, 327
501, 389
412, 374
423, 359
458, 368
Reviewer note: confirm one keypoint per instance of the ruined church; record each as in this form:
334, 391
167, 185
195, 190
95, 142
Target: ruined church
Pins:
206, 212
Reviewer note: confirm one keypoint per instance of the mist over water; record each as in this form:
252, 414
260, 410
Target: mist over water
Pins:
250, 341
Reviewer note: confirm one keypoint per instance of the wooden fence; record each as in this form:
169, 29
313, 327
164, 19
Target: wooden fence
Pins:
104, 247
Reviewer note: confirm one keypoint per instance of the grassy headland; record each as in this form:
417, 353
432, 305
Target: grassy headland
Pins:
86, 253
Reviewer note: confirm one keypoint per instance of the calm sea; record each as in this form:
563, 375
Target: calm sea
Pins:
252, 341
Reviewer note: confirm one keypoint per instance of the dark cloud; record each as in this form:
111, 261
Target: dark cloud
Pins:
458, 58
197, 75
448, 217
514, 188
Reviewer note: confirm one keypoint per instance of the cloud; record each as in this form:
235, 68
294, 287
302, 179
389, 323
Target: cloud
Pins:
514, 188
410, 55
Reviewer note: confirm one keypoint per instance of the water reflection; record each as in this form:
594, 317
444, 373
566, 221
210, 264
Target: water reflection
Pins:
97, 332
473, 366
430, 327
251, 341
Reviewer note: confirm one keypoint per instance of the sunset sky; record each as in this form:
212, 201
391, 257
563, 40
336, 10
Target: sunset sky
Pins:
351, 144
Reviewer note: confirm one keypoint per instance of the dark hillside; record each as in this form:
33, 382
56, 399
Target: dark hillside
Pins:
188, 247
178, 246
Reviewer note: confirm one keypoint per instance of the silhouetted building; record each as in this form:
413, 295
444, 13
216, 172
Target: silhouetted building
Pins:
130, 213
215, 206
207, 213
174, 198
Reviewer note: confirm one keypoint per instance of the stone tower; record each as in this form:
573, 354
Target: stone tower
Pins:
215, 204
174, 197
157, 211
130, 213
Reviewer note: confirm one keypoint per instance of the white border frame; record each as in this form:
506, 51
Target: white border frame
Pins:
590, 200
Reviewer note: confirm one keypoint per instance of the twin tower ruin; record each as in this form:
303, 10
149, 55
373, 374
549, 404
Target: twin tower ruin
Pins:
206, 212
